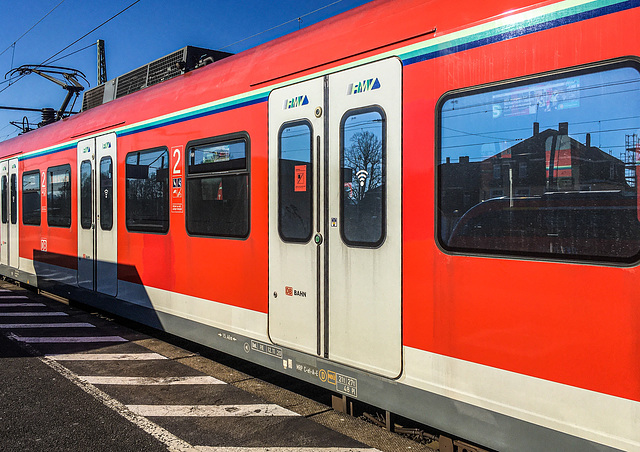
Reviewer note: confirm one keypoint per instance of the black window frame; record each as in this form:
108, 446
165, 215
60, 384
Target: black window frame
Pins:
62, 219
32, 211
226, 171
4, 189
532, 79
310, 171
86, 202
383, 231
13, 193
162, 225
106, 195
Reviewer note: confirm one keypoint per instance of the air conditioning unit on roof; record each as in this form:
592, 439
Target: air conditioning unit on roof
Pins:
165, 68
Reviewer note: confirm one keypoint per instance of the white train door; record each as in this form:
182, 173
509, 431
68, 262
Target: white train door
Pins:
335, 235
97, 214
4, 206
13, 214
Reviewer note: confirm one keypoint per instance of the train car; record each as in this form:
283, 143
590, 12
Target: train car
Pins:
315, 205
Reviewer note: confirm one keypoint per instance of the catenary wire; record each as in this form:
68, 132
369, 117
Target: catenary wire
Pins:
77, 40
32, 27
282, 24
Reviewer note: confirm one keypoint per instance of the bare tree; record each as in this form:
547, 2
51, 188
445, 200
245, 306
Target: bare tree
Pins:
364, 157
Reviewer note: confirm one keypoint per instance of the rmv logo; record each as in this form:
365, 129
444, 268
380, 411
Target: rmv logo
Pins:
364, 86
295, 102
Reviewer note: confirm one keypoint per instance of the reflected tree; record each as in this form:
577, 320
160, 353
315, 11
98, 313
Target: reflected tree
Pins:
364, 157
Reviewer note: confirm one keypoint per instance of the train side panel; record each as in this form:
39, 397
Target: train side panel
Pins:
511, 347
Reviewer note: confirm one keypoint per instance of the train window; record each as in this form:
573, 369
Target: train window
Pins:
86, 200
218, 186
544, 167
106, 193
362, 179
59, 196
5, 207
31, 198
14, 199
147, 190
295, 170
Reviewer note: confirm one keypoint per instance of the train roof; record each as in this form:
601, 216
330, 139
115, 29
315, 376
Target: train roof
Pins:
381, 25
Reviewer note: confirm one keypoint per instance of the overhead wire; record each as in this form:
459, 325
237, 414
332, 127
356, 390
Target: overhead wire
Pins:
74, 52
32, 27
77, 40
297, 19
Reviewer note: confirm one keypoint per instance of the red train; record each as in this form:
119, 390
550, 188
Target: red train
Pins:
430, 210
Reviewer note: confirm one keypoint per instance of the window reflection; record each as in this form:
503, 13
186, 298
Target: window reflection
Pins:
547, 167
363, 177
295, 188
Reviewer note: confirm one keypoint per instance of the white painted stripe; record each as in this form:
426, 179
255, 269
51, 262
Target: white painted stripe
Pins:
5, 290
211, 410
13, 297
68, 340
283, 449
106, 357
172, 442
21, 305
46, 325
33, 314
149, 381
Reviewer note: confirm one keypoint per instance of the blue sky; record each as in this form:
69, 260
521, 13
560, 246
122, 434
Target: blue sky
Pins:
148, 30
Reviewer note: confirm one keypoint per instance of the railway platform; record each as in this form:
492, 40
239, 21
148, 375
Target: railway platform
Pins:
75, 380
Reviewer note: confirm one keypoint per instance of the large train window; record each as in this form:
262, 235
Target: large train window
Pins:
147, 190
31, 198
59, 196
218, 186
543, 167
362, 159
295, 182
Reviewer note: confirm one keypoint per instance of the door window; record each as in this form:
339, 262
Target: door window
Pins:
106, 193
86, 202
295, 191
362, 160
5, 210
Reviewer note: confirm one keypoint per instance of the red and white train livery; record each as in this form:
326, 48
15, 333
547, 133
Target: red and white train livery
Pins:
427, 206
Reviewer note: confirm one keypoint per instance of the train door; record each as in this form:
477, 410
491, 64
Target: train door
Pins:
4, 205
335, 243
13, 213
97, 214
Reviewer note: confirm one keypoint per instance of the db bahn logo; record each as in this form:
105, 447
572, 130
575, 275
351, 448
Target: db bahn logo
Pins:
291, 292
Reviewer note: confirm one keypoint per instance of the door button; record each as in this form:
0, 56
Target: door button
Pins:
318, 239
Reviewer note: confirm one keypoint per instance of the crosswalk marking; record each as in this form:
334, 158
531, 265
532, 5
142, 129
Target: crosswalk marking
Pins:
148, 381
68, 340
138, 413
13, 297
282, 449
264, 409
107, 357
46, 325
22, 305
33, 314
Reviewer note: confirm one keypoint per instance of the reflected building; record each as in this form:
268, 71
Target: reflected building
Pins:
548, 161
